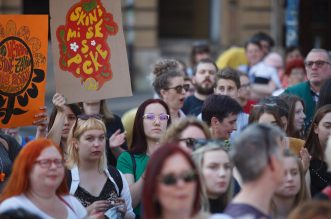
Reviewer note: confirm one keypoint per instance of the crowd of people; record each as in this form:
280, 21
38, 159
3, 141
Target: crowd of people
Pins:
246, 135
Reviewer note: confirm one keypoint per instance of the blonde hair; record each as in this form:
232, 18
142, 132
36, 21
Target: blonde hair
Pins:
81, 126
175, 130
198, 158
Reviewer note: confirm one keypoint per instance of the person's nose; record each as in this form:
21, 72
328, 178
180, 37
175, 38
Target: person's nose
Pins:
157, 120
289, 177
52, 165
222, 172
303, 115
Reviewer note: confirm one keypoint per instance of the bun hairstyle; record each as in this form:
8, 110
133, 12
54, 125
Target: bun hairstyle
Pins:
163, 71
164, 65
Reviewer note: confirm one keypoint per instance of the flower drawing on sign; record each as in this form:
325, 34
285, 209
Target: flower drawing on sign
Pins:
74, 46
84, 51
20, 69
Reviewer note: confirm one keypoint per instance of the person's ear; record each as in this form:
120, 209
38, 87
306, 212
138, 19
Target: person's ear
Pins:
214, 121
163, 93
194, 80
75, 143
315, 128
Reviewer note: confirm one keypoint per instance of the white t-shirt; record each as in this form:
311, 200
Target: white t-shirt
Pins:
21, 201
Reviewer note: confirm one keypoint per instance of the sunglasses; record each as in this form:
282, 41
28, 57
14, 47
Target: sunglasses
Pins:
318, 63
87, 117
93, 116
152, 116
172, 179
195, 144
179, 88
264, 105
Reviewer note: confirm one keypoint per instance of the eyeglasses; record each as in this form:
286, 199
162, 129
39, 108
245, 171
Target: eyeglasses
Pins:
86, 116
318, 63
179, 88
152, 116
171, 179
195, 144
47, 163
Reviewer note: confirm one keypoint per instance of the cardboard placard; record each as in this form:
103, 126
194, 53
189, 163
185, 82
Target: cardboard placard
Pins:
89, 50
23, 65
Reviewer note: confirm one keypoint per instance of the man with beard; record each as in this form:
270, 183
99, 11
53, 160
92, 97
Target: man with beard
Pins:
204, 80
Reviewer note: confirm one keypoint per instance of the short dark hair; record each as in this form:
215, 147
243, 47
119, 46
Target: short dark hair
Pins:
139, 143
229, 74
292, 48
263, 36
199, 47
254, 42
203, 61
219, 106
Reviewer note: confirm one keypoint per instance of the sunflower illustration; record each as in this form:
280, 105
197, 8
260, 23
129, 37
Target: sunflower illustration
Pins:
20, 69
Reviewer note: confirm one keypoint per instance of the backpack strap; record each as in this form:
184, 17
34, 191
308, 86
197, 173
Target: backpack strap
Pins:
111, 178
134, 166
117, 178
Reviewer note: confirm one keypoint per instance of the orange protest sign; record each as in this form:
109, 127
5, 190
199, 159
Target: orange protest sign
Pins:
23, 64
89, 50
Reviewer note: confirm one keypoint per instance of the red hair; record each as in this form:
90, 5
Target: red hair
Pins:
296, 63
152, 208
18, 182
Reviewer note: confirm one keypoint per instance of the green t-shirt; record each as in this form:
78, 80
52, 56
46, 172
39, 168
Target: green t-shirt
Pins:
125, 165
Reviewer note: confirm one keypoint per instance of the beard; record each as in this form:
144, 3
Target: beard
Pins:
204, 90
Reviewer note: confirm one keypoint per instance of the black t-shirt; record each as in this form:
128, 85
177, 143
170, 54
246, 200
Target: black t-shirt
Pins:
192, 106
320, 177
241, 210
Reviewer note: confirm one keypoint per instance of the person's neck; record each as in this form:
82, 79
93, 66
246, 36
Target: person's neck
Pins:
215, 135
92, 108
152, 145
315, 87
199, 96
176, 215
174, 113
63, 144
258, 198
242, 102
284, 205
41, 195
88, 165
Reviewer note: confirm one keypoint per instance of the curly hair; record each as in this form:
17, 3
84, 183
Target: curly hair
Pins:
164, 70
